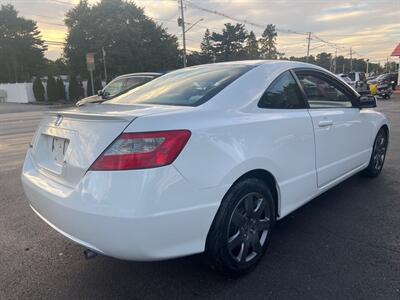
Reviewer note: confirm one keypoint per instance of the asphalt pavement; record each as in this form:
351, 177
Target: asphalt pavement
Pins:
345, 244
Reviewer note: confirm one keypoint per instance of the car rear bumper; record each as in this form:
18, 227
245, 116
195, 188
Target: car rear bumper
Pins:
143, 215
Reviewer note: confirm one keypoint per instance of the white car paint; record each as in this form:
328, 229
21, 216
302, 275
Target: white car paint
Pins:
166, 212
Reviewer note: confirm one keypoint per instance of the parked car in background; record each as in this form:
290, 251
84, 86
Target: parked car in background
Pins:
202, 159
345, 78
118, 86
356, 76
372, 77
390, 79
359, 82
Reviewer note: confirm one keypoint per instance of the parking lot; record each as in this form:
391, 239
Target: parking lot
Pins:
343, 245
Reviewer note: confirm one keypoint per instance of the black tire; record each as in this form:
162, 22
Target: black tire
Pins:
378, 154
241, 230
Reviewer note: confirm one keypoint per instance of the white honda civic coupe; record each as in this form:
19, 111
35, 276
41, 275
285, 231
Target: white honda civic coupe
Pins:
202, 159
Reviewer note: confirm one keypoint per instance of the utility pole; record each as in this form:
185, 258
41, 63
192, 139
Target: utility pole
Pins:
367, 66
387, 64
181, 22
104, 64
351, 59
335, 65
308, 46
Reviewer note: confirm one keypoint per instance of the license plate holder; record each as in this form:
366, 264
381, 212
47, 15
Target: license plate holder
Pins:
58, 149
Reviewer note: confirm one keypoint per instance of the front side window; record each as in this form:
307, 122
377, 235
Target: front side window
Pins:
322, 92
185, 87
283, 93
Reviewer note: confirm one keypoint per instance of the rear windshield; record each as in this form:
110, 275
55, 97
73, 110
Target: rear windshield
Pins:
185, 87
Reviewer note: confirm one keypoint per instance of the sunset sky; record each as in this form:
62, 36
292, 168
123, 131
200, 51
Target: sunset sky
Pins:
371, 28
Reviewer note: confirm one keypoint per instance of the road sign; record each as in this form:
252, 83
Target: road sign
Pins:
90, 61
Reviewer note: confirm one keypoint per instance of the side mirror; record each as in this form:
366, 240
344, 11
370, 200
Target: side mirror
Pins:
100, 93
366, 101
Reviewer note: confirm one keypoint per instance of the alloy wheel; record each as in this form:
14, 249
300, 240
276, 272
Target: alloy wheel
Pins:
379, 151
248, 227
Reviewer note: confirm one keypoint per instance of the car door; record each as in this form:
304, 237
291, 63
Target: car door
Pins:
341, 143
288, 132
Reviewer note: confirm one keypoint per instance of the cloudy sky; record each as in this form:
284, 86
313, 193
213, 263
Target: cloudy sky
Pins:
371, 28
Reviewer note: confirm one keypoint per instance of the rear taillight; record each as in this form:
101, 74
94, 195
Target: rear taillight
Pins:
142, 150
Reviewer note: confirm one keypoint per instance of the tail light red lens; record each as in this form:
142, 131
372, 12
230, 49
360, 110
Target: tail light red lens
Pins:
142, 150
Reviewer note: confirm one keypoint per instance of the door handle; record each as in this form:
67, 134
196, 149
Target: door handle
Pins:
325, 123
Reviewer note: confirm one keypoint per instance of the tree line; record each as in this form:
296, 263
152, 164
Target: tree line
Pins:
130, 41
236, 43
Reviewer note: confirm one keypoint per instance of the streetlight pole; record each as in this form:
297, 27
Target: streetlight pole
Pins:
351, 59
308, 46
335, 65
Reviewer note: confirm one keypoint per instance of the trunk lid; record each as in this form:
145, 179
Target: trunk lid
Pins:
67, 142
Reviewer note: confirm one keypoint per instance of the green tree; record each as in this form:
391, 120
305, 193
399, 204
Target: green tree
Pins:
324, 60
230, 44
252, 50
38, 89
195, 58
56, 67
132, 41
51, 89
21, 47
61, 89
73, 89
207, 49
268, 43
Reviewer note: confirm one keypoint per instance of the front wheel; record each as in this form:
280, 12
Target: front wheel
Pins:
378, 154
240, 233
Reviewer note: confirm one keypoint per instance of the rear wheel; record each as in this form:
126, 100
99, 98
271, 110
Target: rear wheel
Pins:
378, 154
242, 228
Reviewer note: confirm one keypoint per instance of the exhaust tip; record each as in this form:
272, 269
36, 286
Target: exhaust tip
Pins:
89, 254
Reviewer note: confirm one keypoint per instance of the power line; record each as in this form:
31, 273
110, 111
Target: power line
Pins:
215, 12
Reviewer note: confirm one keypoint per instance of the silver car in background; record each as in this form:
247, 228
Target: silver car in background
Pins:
118, 86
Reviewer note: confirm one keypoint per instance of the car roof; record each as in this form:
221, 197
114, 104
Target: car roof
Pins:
270, 64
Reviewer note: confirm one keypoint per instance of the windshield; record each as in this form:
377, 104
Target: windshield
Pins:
185, 87
113, 88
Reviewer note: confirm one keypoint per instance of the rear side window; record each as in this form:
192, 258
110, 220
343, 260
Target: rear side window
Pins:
283, 93
185, 87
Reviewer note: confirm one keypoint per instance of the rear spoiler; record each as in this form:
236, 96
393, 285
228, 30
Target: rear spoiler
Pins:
91, 116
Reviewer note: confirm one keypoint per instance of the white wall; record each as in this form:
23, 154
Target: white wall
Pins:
18, 92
